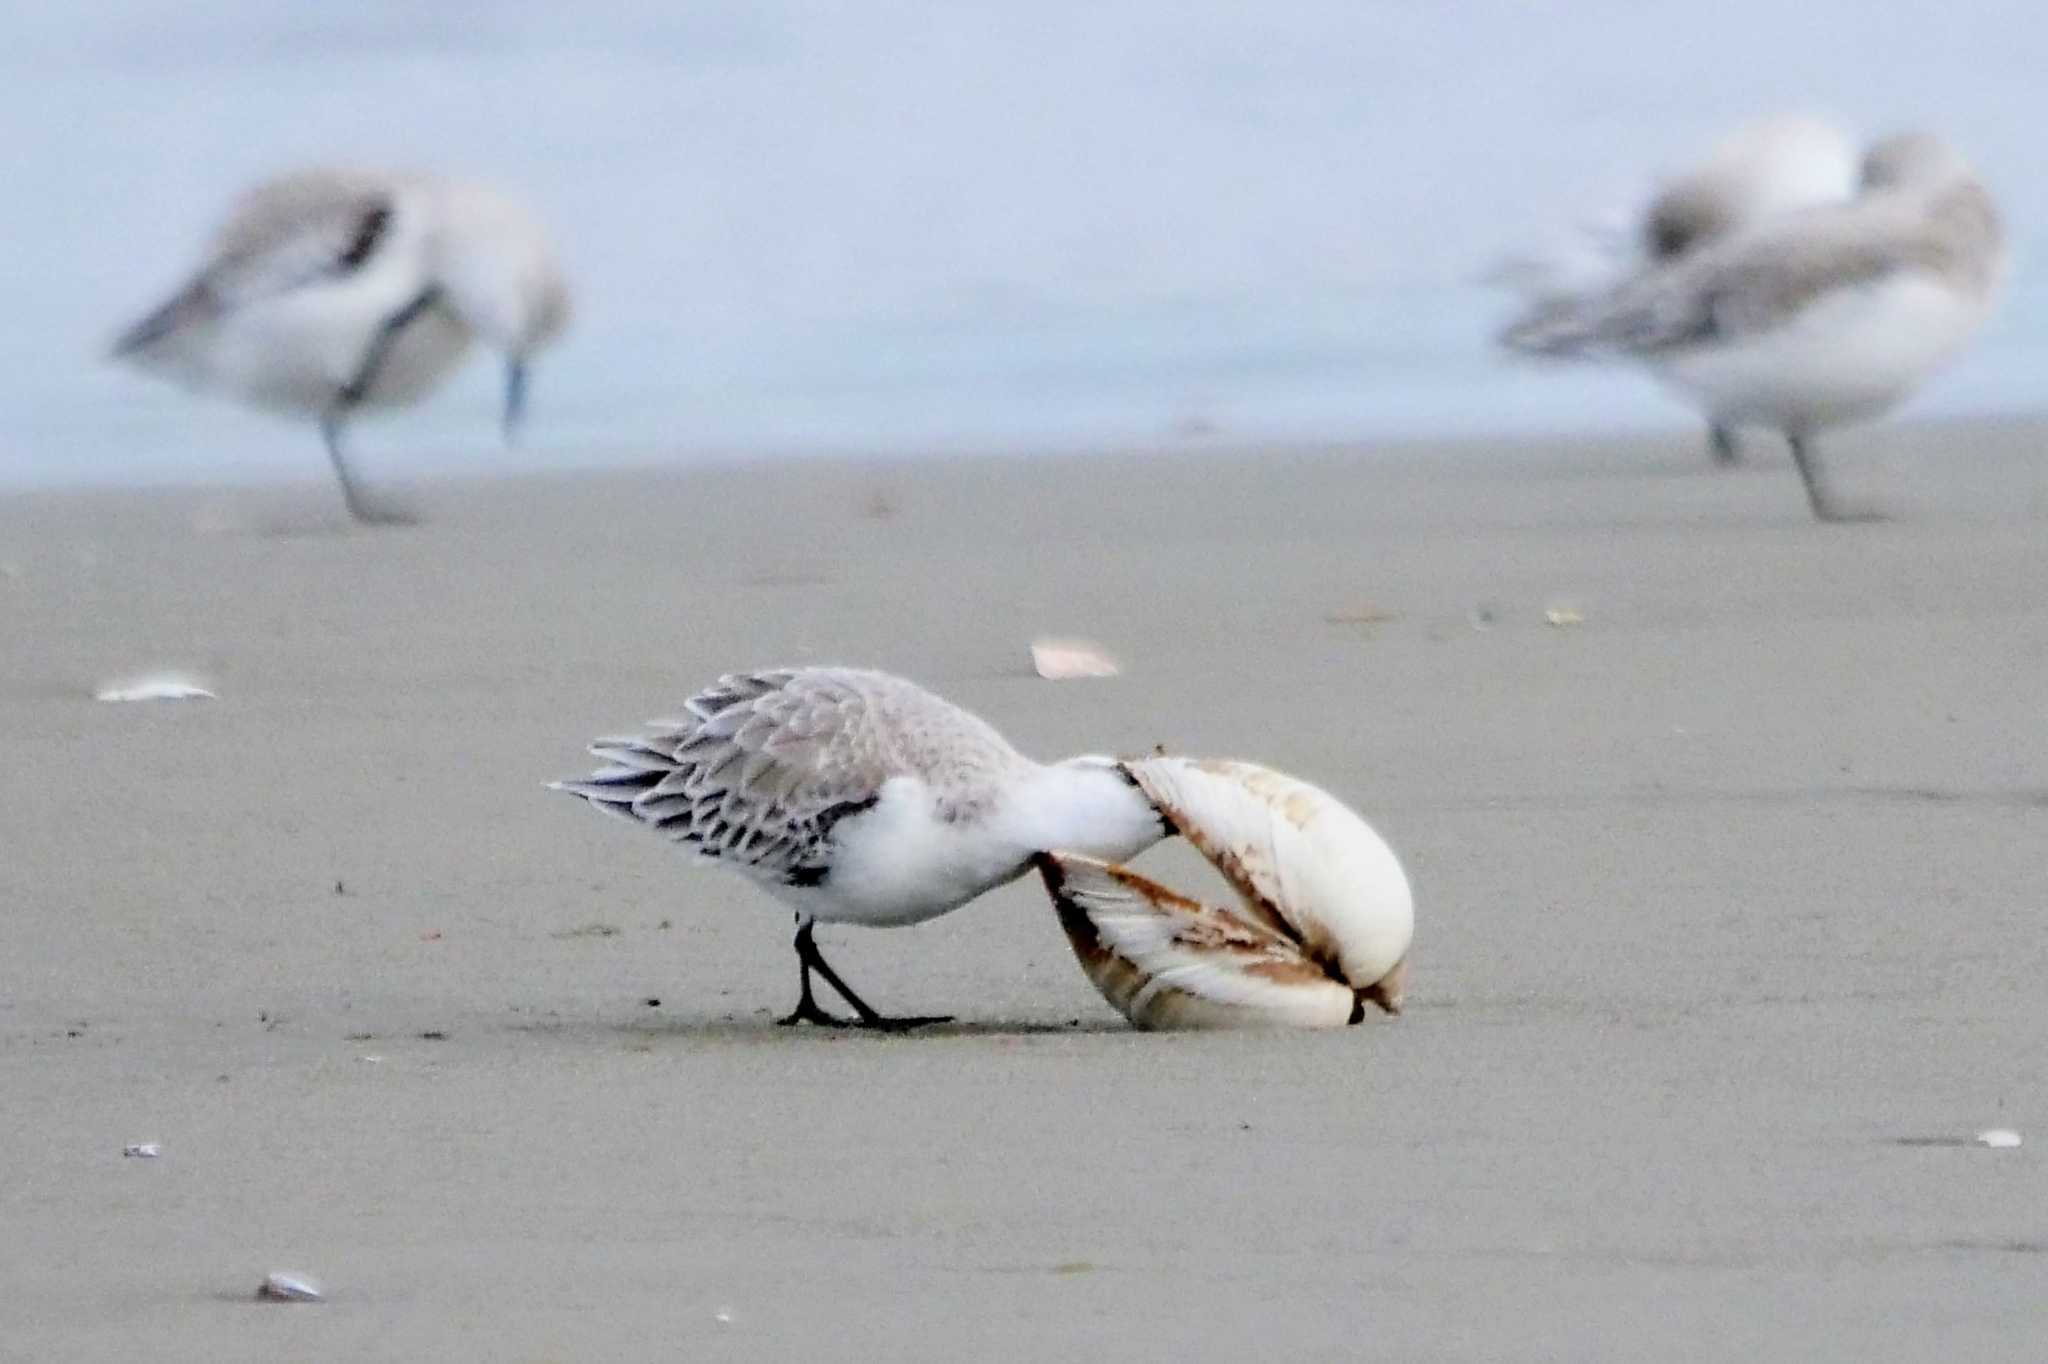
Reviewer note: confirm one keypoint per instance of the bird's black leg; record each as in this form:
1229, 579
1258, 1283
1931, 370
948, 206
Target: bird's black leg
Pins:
1819, 495
330, 431
380, 345
1811, 474
807, 953
807, 1010
351, 396
1721, 441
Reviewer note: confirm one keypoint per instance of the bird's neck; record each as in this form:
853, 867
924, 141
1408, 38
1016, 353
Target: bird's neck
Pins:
1093, 809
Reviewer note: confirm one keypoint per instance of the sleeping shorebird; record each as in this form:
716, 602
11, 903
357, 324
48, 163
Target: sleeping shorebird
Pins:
857, 797
330, 291
1813, 319
1773, 166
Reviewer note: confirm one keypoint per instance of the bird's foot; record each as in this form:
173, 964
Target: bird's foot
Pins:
1836, 514
807, 1011
882, 1024
377, 511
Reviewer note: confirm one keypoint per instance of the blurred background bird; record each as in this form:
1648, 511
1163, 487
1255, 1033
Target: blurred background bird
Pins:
1808, 319
330, 291
1767, 167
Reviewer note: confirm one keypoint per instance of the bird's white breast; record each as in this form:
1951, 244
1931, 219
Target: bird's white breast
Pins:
902, 862
1848, 355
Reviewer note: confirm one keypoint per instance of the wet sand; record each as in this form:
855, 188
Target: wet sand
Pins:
1730, 900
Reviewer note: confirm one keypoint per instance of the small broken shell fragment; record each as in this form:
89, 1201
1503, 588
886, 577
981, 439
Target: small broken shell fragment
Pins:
155, 687
1061, 660
142, 1150
282, 1287
1323, 923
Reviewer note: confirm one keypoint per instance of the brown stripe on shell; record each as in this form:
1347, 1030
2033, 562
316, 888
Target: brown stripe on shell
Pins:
1209, 928
1118, 979
1079, 927
1288, 799
1259, 950
1235, 870
1292, 969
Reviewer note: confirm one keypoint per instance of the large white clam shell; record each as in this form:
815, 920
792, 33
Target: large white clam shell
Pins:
1323, 922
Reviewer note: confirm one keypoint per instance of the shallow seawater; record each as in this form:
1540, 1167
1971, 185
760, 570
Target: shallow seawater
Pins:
800, 226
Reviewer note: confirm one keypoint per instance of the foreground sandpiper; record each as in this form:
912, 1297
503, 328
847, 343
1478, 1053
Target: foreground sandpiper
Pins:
857, 797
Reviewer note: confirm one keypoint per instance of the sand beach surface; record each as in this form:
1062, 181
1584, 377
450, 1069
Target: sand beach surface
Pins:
1732, 894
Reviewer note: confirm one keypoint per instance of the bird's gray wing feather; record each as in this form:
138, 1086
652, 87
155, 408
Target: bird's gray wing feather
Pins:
280, 236
1729, 291
756, 772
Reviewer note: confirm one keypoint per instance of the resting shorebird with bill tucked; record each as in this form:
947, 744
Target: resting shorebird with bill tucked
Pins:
857, 797
1772, 166
329, 292
1815, 318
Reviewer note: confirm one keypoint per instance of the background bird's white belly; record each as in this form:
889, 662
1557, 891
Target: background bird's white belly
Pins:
1846, 357
294, 351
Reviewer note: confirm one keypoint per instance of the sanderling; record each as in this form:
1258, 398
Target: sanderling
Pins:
1813, 318
1772, 166
858, 797
329, 291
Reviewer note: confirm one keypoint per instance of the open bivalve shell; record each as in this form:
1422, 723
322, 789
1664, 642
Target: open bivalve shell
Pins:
1323, 922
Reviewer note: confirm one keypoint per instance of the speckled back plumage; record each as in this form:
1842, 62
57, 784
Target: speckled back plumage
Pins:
763, 764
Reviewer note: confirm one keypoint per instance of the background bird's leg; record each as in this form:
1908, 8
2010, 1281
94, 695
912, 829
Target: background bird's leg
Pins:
869, 1018
330, 431
380, 345
352, 395
1721, 441
1819, 495
1815, 478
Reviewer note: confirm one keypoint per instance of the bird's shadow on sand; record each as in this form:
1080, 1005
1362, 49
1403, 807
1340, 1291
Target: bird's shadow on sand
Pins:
259, 517
763, 1030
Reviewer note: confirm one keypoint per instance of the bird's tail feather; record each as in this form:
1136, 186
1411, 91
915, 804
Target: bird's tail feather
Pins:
190, 306
1557, 328
632, 769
